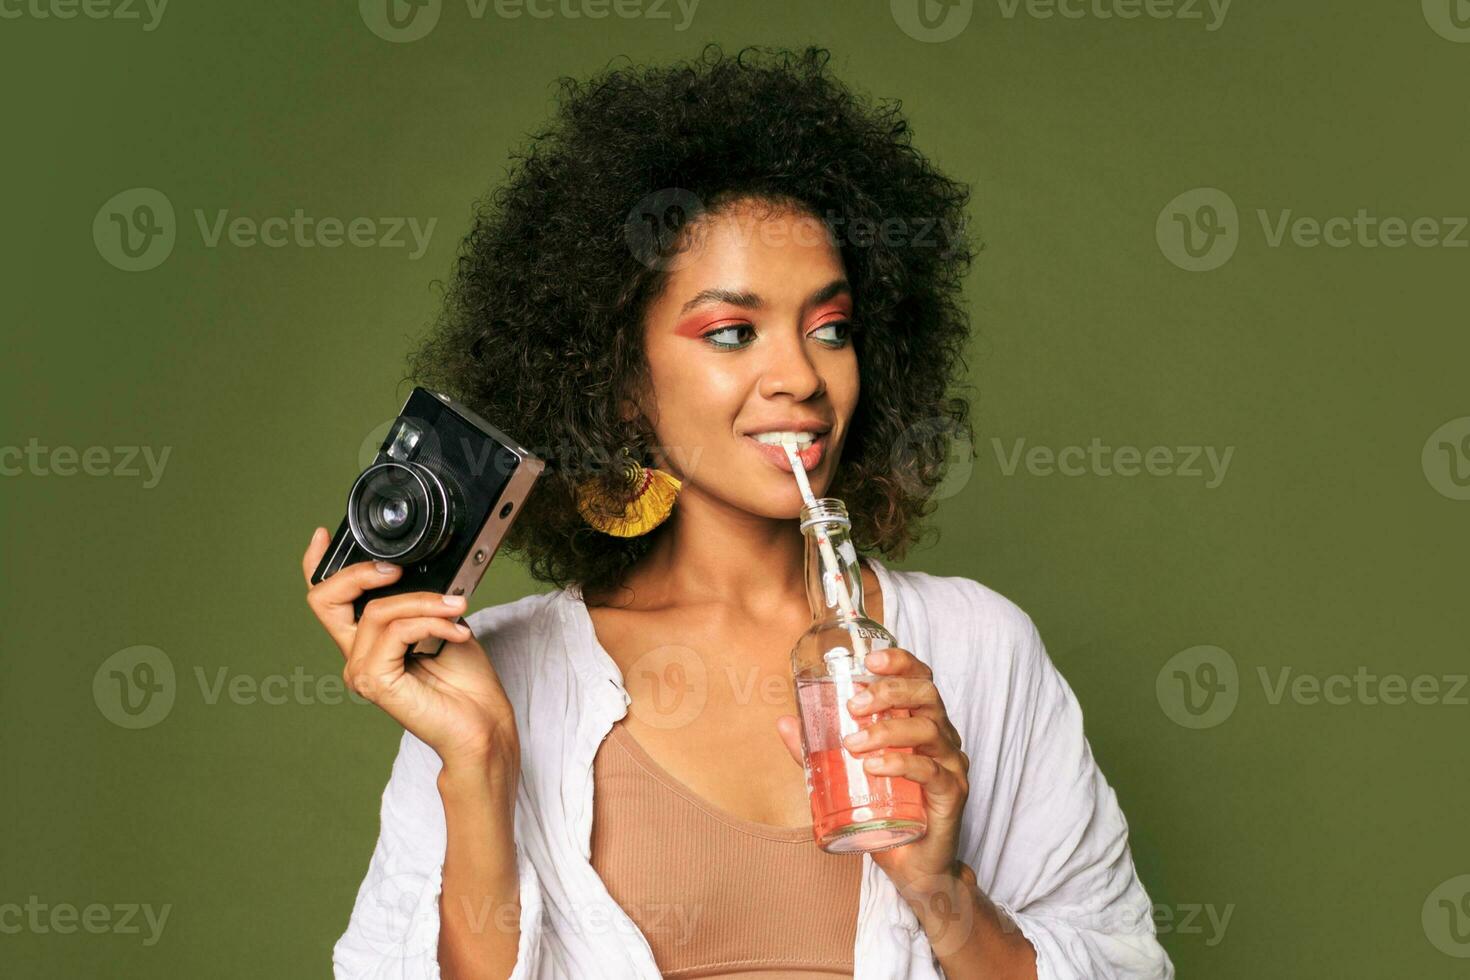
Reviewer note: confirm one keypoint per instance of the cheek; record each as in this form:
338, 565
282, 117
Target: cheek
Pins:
697, 396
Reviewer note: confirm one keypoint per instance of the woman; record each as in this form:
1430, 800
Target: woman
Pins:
690, 256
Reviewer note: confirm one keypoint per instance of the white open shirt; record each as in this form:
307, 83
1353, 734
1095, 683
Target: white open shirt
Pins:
1042, 828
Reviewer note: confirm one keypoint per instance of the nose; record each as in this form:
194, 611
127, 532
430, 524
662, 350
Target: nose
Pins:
789, 371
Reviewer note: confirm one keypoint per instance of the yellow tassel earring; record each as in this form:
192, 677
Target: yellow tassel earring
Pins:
652, 500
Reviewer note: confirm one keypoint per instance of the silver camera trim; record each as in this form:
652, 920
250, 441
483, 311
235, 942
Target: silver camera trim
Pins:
487, 543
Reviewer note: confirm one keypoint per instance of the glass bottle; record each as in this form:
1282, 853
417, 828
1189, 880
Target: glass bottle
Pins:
852, 809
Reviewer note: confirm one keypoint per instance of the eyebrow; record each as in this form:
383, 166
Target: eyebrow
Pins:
751, 301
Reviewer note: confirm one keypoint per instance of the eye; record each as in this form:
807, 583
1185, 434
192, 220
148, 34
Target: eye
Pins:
843, 328
708, 338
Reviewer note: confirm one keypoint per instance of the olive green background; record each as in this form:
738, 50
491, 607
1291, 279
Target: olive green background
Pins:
1322, 828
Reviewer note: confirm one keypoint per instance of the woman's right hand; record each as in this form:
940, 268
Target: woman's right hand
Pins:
453, 702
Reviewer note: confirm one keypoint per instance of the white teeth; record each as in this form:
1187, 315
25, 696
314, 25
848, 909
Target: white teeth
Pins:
776, 438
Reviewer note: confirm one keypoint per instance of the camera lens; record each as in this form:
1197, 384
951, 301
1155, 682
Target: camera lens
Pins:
399, 511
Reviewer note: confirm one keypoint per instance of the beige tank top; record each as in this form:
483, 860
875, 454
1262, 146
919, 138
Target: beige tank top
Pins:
717, 896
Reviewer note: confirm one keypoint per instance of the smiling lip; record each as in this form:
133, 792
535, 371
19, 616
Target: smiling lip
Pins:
811, 456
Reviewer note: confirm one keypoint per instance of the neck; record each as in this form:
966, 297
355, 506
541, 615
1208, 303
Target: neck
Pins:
708, 551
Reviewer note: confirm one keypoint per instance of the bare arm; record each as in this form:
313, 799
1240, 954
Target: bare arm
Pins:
479, 907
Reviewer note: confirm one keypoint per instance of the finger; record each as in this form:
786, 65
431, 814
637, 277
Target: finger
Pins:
895, 660
895, 692
378, 614
348, 583
901, 697
314, 551
936, 779
923, 735
789, 728
332, 598
376, 669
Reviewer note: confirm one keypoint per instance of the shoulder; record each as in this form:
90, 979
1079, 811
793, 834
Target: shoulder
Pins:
518, 635
512, 621
957, 606
967, 631
988, 658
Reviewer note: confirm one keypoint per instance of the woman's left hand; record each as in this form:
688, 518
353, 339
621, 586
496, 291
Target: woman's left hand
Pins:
935, 760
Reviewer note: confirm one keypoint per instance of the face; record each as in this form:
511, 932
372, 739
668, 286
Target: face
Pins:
751, 335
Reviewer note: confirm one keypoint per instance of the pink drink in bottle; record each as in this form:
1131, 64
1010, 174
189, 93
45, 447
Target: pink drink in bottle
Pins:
852, 809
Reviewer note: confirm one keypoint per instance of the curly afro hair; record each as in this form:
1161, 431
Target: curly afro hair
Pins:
542, 323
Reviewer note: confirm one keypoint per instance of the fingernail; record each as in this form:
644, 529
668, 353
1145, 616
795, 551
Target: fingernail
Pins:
384, 568
856, 738
876, 659
454, 600
861, 700
873, 762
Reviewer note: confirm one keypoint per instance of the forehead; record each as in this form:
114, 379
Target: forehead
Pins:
775, 250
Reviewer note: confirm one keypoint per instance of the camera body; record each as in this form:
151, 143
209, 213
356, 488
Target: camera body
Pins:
437, 500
